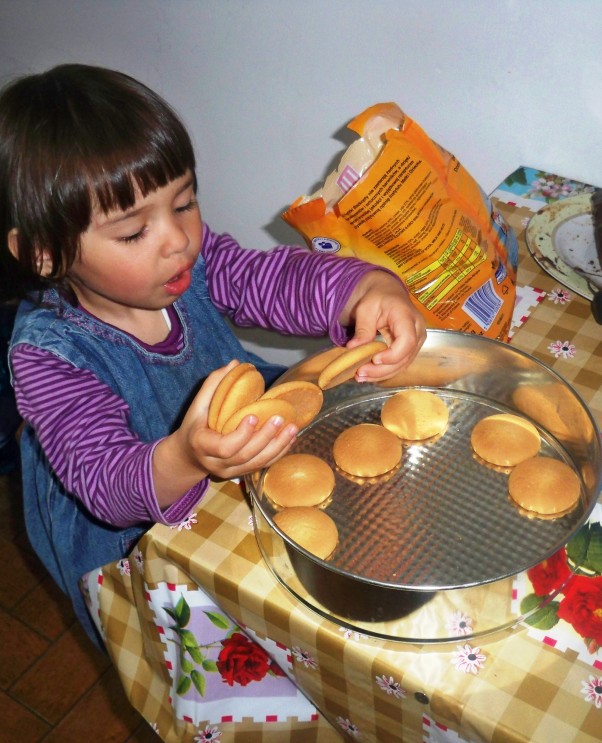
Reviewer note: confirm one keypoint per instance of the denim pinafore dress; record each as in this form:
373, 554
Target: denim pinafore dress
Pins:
157, 388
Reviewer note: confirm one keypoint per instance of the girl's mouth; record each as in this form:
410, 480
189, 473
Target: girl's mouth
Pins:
179, 283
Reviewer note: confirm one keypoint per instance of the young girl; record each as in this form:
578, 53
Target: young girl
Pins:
120, 339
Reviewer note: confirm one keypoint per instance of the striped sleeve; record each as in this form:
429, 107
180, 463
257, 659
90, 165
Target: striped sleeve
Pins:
83, 429
288, 289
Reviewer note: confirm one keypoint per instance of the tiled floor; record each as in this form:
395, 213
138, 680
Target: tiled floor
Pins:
55, 686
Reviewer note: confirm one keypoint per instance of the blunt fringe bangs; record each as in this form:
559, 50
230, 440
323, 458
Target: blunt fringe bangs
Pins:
73, 139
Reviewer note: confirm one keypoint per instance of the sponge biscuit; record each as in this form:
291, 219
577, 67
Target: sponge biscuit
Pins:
264, 410
311, 528
555, 408
367, 450
344, 366
415, 415
299, 480
305, 397
544, 487
242, 385
309, 369
505, 439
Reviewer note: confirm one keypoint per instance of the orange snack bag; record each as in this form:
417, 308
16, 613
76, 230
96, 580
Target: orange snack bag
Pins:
399, 200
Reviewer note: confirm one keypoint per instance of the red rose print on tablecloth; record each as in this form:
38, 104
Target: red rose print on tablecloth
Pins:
241, 661
221, 671
550, 575
572, 580
566, 613
582, 607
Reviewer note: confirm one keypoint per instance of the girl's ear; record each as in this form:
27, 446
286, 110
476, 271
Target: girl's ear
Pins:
13, 242
44, 263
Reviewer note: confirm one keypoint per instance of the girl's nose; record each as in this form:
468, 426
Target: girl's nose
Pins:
175, 238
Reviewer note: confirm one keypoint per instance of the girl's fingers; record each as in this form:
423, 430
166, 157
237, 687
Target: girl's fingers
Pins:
245, 444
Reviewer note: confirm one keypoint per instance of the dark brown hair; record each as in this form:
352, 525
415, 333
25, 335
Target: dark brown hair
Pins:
73, 138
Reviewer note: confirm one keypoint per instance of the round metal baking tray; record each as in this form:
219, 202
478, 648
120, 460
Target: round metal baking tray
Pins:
440, 535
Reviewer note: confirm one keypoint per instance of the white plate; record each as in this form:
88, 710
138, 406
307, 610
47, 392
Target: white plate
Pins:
560, 237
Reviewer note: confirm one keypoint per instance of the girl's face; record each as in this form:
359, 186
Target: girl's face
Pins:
141, 258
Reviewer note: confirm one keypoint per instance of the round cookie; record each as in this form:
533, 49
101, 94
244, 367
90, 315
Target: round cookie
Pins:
242, 385
311, 528
309, 369
544, 486
367, 450
344, 366
298, 480
505, 439
415, 415
555, 408
305, 397
264, 410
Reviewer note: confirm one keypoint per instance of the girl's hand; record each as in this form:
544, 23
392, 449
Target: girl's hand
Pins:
381, 304
195, 451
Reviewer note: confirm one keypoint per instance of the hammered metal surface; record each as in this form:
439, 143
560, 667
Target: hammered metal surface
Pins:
443, 519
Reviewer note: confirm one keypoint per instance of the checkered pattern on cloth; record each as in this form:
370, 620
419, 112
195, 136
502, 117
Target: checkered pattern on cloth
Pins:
522, 692
138, 649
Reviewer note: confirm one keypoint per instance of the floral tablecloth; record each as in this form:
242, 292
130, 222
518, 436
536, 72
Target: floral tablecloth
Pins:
210, 647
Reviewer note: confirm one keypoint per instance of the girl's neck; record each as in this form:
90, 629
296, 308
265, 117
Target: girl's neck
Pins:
148, 326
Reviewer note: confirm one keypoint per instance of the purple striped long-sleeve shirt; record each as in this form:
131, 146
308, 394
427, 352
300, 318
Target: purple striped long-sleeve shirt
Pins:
83, 426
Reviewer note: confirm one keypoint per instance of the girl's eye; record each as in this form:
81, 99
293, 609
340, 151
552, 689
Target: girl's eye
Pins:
133, 238
187, 207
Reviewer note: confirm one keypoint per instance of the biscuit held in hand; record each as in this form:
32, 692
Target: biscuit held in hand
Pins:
305, 397
242, 385
194, 450
345, 366
309, 369
263, 410
381, 305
